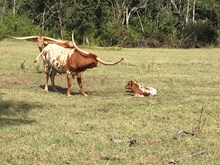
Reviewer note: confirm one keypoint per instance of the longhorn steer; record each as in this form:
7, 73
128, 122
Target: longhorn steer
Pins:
72, 62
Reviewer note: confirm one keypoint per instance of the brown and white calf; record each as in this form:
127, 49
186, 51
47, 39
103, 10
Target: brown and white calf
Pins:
139, 90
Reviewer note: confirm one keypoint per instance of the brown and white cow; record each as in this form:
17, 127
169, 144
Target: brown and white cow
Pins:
139, 90
70, 61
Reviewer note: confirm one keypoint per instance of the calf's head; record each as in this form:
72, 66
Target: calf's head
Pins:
130, 84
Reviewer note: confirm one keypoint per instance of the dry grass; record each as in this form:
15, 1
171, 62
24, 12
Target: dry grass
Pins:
49, 128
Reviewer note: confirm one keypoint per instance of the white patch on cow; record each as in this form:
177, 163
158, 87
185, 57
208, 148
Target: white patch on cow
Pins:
56, 57
152, 91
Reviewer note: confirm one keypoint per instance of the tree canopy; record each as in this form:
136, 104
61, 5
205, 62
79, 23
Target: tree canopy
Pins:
127, 23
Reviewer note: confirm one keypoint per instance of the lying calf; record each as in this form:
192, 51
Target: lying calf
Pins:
139, 90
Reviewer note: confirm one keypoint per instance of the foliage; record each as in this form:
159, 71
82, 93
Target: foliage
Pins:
17, 26
202, 34
148, 23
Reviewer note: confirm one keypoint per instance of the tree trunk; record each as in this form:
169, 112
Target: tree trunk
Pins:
3, 9
193, 20
60, 18
187, 11
43, 22
86, 38
60, 25
142, 27
14, 6
194, 11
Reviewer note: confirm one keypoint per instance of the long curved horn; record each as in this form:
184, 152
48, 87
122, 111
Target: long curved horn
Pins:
25, 38
35, 37
52, 39
108, 63
77, 48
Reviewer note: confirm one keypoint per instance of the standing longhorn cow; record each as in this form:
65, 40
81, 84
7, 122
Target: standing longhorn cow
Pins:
71, 61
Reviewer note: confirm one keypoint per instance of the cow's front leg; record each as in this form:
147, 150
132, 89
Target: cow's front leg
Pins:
68, 85
79, 80
52, 77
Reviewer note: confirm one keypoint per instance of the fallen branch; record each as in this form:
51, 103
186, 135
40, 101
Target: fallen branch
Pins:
131, 142
192, 155
182, 132
114, 139
109, 158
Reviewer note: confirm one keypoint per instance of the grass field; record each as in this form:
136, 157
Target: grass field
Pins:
179, 125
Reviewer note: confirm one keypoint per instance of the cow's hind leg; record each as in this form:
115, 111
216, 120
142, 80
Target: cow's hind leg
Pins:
52, 77
46, 71
79, 80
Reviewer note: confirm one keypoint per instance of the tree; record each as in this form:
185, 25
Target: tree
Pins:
117, 22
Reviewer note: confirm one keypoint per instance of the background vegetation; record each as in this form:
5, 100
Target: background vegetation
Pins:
126, 23
181, 123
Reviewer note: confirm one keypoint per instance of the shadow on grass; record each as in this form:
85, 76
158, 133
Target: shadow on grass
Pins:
62, 90
76, 91
16, 112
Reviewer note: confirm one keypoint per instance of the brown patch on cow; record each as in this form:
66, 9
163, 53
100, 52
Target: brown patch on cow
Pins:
58, 58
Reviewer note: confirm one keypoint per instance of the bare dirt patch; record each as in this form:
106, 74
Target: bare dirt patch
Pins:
16, 80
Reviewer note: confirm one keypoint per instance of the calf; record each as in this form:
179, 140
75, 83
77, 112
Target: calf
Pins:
139, 90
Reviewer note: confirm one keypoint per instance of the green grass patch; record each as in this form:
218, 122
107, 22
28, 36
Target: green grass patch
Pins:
49, 128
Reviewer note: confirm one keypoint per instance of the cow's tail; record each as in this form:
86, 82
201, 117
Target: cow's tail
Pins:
41, 54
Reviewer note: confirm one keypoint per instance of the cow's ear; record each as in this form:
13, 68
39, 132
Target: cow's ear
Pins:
131, 83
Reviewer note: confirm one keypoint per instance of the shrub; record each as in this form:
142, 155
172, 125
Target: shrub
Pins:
199, 34
11, 25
